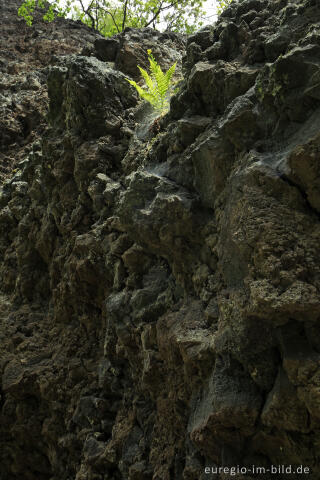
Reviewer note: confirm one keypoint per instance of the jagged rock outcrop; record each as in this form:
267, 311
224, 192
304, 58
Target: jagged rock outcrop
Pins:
160, 308
25, 54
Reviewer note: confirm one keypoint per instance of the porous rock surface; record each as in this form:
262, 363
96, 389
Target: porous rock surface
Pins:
160, 281
25, 54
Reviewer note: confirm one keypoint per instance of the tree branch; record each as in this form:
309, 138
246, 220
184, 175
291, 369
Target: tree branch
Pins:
87, 11
124, 15
160, 10
108, 12
156, 15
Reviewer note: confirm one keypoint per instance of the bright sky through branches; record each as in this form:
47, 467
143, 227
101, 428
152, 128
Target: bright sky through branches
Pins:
209, 7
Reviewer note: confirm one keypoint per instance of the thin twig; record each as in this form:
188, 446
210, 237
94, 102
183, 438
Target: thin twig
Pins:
124, 14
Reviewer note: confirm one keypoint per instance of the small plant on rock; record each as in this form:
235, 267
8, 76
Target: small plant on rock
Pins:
158, 85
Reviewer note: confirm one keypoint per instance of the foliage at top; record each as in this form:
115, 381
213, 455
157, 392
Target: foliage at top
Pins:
158, 84
222, 4
110, 17
27, 8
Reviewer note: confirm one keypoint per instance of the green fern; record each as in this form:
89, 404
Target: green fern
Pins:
158, 84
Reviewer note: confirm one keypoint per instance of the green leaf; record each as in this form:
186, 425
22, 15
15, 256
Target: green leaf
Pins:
222, 5
158, 84
184, 16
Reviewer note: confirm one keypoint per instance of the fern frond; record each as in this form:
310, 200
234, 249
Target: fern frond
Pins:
161, 84
149, 96
147, 78
154, 66
158, 83
170, 72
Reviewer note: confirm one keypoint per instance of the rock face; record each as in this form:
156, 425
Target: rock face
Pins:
160, 281
25, 54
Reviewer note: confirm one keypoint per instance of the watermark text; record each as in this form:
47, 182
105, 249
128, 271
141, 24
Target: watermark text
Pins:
253, 469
